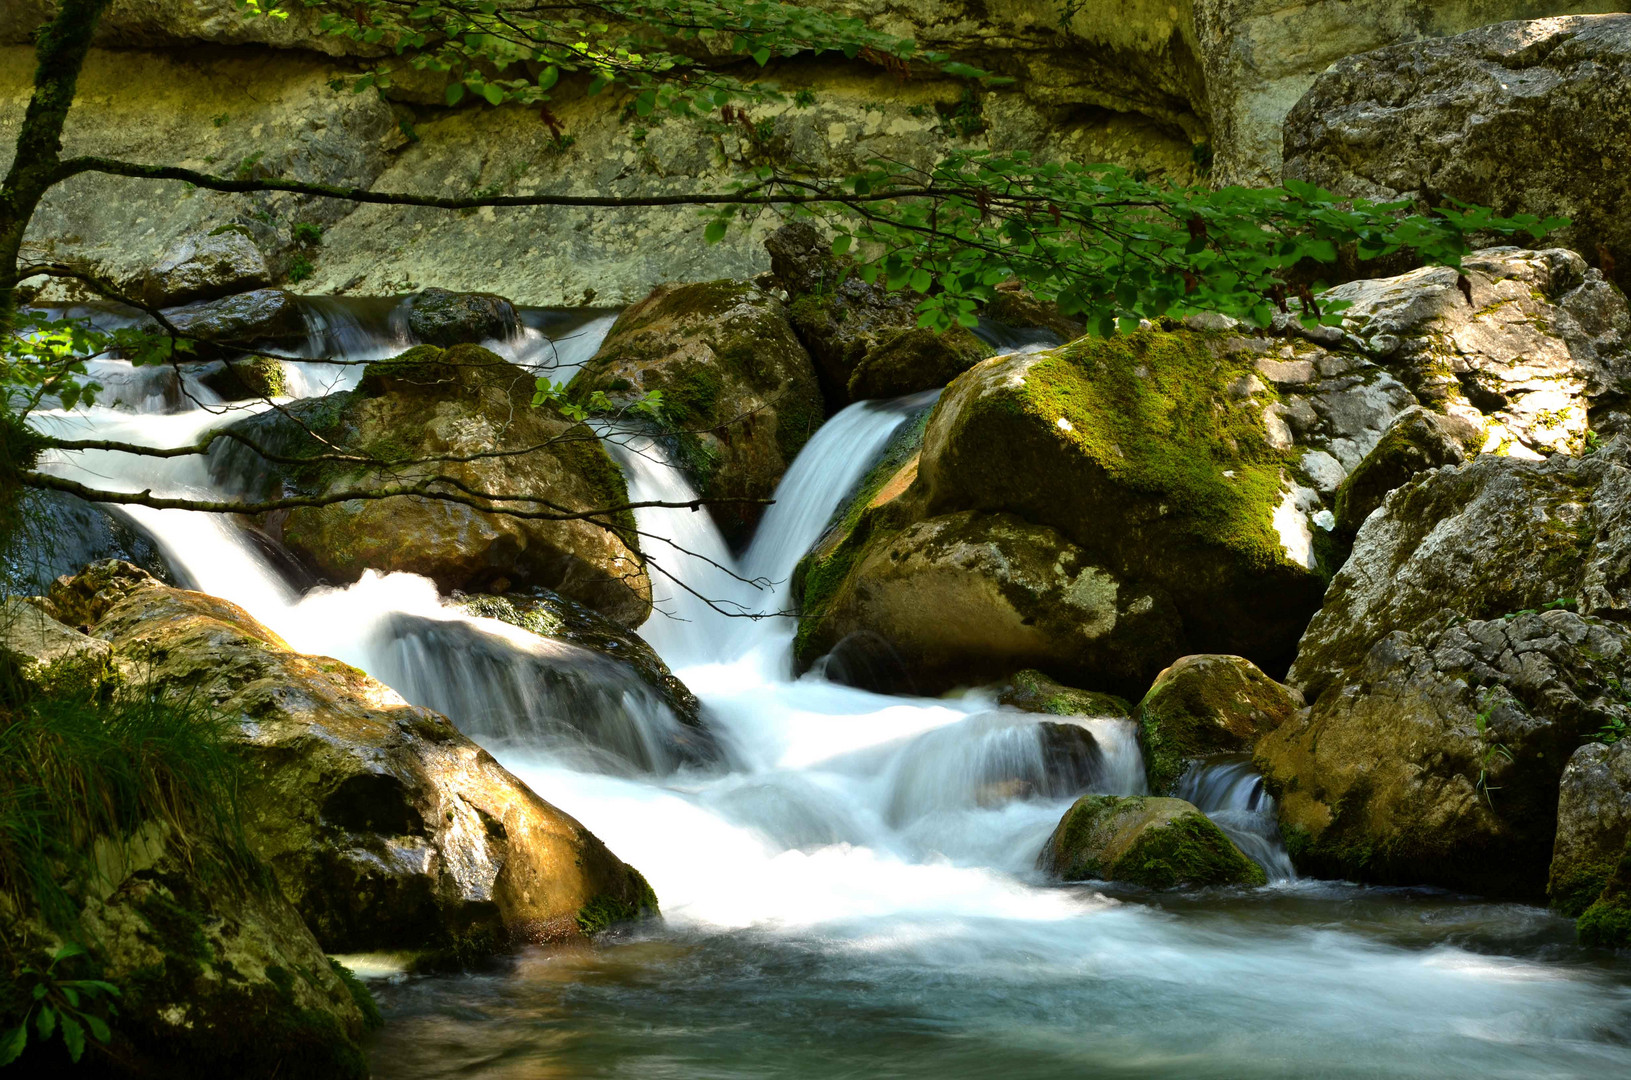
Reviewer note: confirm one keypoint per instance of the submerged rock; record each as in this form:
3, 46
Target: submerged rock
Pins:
388, 830
1203, 706
1512, 116
1156, 842
462, 417
865, 339
445, 318
1593, 824
739, 395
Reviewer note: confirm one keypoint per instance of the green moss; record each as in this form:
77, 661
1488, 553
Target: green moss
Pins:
1606, 924
1187, 852
1035, 692
360, 995
1182, 848
1203, 706
421, 364
585, 455
1577, 890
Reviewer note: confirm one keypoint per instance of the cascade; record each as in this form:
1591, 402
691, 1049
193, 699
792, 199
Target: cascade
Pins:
862, 864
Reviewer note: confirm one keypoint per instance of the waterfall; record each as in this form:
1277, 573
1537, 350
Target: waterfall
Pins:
1230, 792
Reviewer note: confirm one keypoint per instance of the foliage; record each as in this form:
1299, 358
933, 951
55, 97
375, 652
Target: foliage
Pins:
597, 403
45, 358
1490, 752
61, 1005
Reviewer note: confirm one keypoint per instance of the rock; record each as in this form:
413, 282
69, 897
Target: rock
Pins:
739, 395
45, 654
1513, 116
865, 339
1542, 338
244, 378
968, 597
62, 533
1607, 922
1206, 705
388, 830
1449, 682
440, 317
1593, 824
1416, 442
269, 318
463, 402
217, 974
1034, 692
206, 267
1157, 843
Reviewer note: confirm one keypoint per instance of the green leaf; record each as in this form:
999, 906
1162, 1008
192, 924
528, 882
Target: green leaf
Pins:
46, 1022
455, 93
715, 232
761, 56
841, 243
99, 1030
493, 93
549, 78
73, 1036
12, 1044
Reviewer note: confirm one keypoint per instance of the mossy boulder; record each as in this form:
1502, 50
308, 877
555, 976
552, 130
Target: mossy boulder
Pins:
1593, 824
217, 973
1417, 441
864, 338
1606, 923
1206, 705
1155, 842
446, 318
46, 655
245, 377
1151, 452
452, 421
739, 394
968, 597
1034, 692
388, 830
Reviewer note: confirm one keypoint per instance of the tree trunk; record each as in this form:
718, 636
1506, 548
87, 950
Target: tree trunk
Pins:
60, 52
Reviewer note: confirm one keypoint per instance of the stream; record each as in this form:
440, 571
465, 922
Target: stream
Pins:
854, 892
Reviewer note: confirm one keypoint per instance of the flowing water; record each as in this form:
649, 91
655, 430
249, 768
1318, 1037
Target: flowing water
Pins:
852, 891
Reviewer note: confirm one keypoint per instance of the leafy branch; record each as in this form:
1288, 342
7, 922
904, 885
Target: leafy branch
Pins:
61, 1005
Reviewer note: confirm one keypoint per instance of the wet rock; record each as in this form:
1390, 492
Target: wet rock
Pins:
967, 597
1416, 442
206, 266
426, 405
1593, 824
441, 317
1203, 706
388, 830
244, 378
739, 395
217, 974
269, 318
1521, 355
1156, 842
864, 338
1607, 922
1513, 116
1034, 692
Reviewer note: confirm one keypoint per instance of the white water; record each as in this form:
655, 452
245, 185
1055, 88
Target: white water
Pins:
864, 851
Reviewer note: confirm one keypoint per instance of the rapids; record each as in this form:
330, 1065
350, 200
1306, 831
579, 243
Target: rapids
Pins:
853, 892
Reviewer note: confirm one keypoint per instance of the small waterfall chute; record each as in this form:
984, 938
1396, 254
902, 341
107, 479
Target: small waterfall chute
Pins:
1229, 791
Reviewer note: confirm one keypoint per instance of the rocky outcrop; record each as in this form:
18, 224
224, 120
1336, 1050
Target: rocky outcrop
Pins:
60, 533
1593, 824
462, 418
739, 395
1468, 646
1206, 705
1417, 442
1512, 116
388, 830
1158, 843
864, 338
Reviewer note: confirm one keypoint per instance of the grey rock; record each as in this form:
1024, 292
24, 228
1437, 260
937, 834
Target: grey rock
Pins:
440, 317
205, 267
270, 318
1593, 821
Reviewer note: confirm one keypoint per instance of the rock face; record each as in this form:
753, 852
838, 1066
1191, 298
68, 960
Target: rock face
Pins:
388, 830
1205, 705
739, 395
1593, 824
205, 267
1469, 645
865, 339
61, 533
1416, 442
1512, 116
1158, 843
464, 403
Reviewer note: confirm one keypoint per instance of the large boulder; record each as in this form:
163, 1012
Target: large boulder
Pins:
269, 318
204, 267
1513, 116
1158, 843
1206, 705
1593, 824
739, 395
865, 339
1416, 442
1607, 922
61, 533
1471, 642
459, 421
441, 317
388, 830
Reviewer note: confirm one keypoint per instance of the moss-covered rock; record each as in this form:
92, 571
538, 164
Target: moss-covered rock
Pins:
739, 394
1205, 705
1033, 691
1607, 922
1593, 824
864, 338
1416, 442
457, 421
388, 830
1155, 842
446, 318
245, 377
